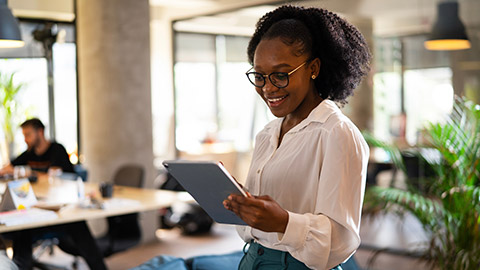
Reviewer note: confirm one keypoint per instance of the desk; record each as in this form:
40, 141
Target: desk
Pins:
65, 191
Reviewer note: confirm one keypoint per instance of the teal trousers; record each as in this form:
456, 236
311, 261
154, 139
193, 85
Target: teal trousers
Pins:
262, 258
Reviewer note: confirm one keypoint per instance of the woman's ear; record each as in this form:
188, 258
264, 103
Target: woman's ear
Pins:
315, 65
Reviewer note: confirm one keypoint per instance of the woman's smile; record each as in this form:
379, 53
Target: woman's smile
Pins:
276, 101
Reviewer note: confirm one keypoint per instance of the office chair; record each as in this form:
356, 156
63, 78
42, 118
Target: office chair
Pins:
81, 171
129, 175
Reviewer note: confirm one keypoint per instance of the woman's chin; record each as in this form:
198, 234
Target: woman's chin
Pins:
277, 113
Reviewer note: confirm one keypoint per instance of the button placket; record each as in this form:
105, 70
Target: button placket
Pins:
262, 167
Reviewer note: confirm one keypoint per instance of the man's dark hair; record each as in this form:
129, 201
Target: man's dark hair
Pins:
35, 123
341, 48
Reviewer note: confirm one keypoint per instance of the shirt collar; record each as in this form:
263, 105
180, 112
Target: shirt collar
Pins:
322, 111
319, 114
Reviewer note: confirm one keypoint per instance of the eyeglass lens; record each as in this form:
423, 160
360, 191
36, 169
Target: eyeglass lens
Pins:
278, 79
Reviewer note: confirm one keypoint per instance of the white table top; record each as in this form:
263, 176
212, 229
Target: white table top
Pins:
125, 200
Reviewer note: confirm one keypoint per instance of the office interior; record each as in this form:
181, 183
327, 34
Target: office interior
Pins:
143, 81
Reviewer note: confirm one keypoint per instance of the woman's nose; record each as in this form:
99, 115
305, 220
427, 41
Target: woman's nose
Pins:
268, 87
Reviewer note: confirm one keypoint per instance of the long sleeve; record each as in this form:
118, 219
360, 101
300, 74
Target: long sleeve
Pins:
328, 237
20, 160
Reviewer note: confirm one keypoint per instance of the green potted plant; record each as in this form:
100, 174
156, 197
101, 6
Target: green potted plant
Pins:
10, 111
447, 203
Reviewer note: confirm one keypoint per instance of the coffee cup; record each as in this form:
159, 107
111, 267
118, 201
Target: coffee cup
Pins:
106, 189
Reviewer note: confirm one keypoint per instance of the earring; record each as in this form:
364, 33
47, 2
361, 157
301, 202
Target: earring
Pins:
314, 77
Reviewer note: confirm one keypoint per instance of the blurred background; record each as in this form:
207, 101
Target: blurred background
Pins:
143, 81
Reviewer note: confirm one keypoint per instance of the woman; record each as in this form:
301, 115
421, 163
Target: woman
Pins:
307, 175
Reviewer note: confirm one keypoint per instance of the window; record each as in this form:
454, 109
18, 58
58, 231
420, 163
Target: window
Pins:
412, 87
32, 100
215, 105
428, 98
30, 68
65, 96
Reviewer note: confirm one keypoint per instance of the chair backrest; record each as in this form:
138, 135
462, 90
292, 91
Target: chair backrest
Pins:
81, 171
68, 176
130, 175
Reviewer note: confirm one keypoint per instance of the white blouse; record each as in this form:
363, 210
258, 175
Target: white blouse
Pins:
318, 175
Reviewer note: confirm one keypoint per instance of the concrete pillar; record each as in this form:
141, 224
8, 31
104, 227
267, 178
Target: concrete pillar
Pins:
114, 89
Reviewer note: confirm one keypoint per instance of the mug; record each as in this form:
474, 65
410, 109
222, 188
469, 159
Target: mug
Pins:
106, 189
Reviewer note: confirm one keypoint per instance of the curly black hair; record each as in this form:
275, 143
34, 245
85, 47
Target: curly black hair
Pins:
341, 48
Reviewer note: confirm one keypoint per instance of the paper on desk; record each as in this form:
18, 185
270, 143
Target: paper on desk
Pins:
17, 217
50, 205
115, 203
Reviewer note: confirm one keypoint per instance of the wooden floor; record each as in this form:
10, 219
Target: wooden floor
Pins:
381, 231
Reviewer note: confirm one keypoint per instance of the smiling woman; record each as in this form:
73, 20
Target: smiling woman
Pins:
307, 176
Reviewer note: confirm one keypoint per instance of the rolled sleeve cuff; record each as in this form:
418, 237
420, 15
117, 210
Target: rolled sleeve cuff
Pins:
296, 233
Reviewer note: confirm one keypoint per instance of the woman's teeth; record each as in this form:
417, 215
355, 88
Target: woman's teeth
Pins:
275, 102
276, 99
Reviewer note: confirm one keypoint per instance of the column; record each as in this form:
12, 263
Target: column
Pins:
113, 42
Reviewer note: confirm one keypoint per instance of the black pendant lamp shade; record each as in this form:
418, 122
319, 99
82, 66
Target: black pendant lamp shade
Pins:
10, 36
448, 32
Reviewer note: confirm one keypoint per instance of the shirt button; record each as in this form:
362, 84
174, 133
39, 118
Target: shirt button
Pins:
258, 171
260, 251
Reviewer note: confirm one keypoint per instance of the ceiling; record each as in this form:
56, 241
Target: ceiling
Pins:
389, 17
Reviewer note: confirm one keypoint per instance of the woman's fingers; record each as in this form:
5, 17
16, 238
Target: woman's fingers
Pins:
242, 206
260, 212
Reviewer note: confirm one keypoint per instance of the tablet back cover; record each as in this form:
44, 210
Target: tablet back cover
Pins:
208, 185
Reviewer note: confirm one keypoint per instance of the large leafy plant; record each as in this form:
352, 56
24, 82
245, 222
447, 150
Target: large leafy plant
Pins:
448, 202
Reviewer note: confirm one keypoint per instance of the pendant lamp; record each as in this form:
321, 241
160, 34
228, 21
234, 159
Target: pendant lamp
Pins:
448, 32
10, 36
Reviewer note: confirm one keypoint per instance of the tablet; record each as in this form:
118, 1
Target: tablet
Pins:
209, 183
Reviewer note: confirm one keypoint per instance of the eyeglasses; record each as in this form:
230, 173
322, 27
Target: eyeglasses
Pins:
278, 79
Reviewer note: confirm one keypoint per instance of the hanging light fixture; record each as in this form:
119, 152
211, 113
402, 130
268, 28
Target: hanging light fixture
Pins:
448, 32
10, 36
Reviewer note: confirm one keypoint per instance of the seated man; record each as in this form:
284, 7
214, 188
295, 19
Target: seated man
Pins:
41, 154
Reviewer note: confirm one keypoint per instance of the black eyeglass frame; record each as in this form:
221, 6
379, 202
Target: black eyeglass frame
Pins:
287, 74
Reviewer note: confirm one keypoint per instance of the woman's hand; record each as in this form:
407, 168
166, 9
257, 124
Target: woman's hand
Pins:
260, 212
